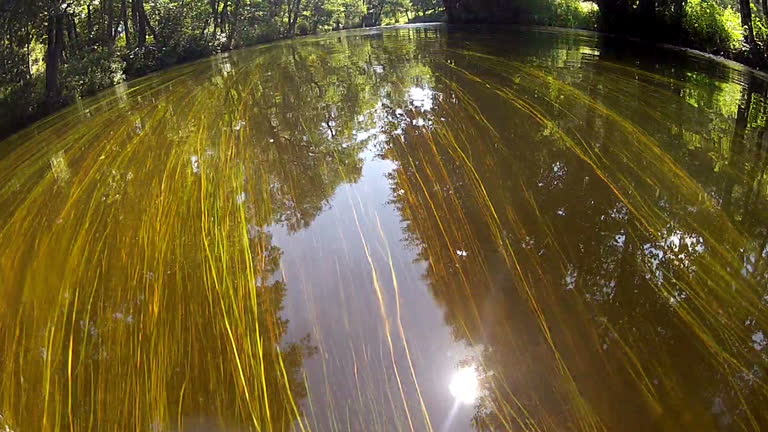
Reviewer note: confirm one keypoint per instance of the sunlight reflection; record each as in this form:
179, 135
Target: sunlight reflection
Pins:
421, 98
464, 385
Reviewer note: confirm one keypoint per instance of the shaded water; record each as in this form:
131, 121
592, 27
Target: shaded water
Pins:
345, 232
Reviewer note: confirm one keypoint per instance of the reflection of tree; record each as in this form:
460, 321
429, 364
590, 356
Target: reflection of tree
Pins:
587, 266
165, 310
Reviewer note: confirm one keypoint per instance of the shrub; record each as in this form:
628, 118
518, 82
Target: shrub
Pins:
436, 16
570, 14
761, 27
89, 70
191, 46
250, 35
141, 61
20, 104
712, 27
302, 28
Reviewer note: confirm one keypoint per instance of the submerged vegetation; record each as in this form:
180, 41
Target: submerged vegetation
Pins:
316, 234
54, 52
170, 292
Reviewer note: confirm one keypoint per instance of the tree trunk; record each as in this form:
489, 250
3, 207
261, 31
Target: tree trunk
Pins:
290, 17
109, 32
215, 15
124, 19
89, 21
71, 31
296, 10
147, 23
135, 18
647, 11
678, 13
231, 36
613, 15
223, 17
451, 7
54, 50
141, 26
28, 69
746, 22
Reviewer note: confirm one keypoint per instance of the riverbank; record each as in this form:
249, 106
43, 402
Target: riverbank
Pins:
50, 57
25, 105
720, 28
153, 63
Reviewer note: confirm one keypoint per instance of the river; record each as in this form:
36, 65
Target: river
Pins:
411, 228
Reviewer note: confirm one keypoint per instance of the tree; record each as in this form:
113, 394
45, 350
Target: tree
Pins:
745, 10
426, 7
54, 53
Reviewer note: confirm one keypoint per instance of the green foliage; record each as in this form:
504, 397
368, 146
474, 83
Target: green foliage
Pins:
19, 103
396, 12
713, 27
142, 61
105, 41
100, 43
192, 46
302, 28
571, 14
250, 35
91, 69
177, 38
761, 28
428, 18
426, 7
346, 13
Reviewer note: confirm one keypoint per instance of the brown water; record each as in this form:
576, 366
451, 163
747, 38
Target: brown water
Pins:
395, 229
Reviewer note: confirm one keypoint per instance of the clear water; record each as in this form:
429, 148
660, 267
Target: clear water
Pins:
394, 229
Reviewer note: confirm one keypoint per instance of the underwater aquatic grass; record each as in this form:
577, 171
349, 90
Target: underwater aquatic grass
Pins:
153, 237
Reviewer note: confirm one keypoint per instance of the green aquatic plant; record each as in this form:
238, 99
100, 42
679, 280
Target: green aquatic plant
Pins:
394, 229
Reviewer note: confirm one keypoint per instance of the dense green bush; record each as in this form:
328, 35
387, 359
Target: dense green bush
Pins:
712, 27
178, 41
141, 61
190, 46
302, 28
761, 28
429, 17
571, 14
89, 70
20, 103
250, 35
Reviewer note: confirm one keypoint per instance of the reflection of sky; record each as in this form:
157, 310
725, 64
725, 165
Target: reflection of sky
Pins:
332, 297
421, 98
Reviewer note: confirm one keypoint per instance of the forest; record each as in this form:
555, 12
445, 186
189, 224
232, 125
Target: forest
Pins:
53, 52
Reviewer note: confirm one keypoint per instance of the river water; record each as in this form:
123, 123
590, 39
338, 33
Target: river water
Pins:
414, 228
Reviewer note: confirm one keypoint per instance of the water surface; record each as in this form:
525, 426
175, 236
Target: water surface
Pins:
408, 229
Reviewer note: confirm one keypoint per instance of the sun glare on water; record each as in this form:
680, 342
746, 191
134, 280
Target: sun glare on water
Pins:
464, 385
